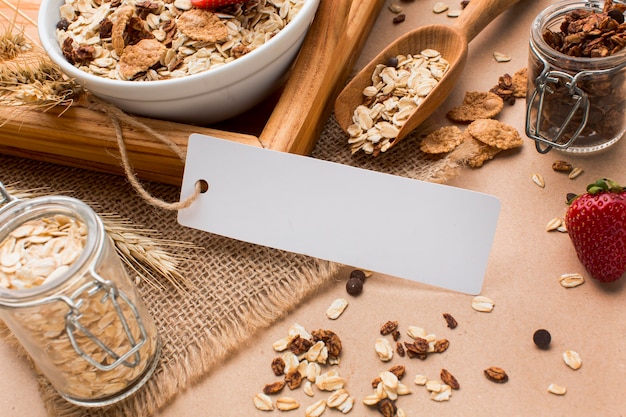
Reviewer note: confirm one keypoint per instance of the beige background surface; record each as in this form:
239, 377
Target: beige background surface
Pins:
522, 278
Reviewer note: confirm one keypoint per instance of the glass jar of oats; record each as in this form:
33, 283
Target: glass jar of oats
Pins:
66, 296
576, 99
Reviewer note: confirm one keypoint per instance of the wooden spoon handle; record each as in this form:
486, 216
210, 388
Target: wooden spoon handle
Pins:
311, 82
478, 14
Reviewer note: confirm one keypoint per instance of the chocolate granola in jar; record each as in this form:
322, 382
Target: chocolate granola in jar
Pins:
576, 100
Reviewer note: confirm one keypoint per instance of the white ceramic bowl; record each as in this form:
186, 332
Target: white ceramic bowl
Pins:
211, 96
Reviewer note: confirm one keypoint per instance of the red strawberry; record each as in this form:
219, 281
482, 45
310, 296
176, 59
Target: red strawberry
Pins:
212, 4
596, 223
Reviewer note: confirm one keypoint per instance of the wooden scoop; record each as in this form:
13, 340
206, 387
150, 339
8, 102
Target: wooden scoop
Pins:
450, 41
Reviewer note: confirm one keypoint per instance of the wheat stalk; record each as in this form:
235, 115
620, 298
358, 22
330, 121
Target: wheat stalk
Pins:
140, 249
28, 78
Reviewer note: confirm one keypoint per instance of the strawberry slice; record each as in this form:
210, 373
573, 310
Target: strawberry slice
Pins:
596, 224
212, 4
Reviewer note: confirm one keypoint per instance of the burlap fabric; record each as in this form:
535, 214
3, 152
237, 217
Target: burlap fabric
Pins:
239, 287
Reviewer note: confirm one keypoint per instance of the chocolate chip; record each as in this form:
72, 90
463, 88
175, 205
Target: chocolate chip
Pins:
392, 62
354, 286
616, 15
358, 274
542, 338
63, 24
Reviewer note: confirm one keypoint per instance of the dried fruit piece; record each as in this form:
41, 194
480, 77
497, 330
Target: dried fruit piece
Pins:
571, 280
450, 321
274, 387
387, 408
388, 327
441, 345
572, 359
496, 374
449, 379
483, 304
399, 18
561, 166
556, 389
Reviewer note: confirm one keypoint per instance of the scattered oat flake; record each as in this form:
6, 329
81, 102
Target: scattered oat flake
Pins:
336, 308
395, 8
575, 173
554, 224
483, 304
538, 179
557, 389
500, 57
571, 280
440, 7
572, 359
263, 402
454, 13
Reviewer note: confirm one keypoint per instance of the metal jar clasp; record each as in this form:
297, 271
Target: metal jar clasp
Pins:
546, 84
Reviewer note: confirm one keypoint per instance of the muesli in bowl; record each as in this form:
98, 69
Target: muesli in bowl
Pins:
171, 60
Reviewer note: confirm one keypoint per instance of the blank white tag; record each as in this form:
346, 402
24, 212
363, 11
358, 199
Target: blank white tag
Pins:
431, 233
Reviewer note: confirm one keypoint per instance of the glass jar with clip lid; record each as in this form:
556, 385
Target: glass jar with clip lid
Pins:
67, 298
576, 99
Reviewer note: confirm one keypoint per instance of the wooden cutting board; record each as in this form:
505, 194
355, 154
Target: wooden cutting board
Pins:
289, 121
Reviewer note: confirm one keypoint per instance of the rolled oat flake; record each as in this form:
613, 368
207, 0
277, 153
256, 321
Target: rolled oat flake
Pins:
67, 298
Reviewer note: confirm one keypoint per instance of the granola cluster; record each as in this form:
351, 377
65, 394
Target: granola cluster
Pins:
587, 33
160, 39
597, 35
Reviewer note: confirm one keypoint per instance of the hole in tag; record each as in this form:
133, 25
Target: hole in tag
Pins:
204, 186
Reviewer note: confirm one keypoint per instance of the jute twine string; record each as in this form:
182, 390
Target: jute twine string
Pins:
118, 117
